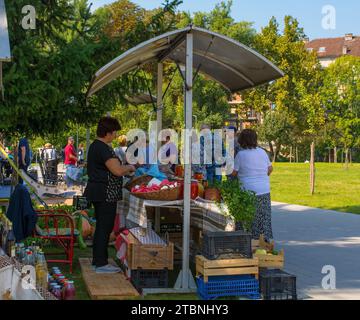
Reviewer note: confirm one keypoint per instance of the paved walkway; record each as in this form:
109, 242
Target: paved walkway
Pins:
313, 238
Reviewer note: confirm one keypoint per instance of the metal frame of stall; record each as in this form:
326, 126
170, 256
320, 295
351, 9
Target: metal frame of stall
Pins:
233, 65
5, 54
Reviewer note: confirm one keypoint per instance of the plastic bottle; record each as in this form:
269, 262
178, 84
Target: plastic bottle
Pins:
10, 241
41, 270
21, 252
28, 259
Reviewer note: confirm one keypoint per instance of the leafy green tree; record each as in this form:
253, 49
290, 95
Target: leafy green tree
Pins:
275, 130
341, 97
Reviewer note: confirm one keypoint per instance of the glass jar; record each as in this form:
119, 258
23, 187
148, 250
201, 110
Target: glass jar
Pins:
57, 292
194, 190
69, 291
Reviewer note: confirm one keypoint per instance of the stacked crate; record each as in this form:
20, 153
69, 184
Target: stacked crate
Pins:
226, 267
148, 259
268, 260
277, 284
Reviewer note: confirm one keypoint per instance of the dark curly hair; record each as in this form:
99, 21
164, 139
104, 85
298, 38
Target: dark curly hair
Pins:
248, 139
107, 125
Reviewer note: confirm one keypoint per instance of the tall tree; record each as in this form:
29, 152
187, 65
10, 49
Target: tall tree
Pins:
341, 96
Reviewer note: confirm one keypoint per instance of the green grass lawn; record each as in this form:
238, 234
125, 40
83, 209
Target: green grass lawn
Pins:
336, 188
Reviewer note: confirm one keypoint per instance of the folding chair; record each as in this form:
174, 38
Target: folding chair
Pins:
58, 228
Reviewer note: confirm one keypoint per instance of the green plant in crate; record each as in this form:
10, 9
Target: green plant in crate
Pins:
240, 203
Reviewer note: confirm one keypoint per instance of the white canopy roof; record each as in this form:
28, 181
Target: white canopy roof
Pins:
232, 64
4, 36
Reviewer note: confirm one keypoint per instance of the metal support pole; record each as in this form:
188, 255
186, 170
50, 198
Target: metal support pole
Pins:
185, 280
87, 142
159, 114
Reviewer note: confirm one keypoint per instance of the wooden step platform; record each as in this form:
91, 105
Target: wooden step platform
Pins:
106, 286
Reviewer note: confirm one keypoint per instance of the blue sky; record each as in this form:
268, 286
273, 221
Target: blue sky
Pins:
308, 12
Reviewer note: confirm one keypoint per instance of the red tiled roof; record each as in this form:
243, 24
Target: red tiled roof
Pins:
334, 47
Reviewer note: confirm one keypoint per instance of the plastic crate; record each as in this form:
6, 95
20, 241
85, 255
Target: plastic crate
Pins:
228, 286
277, 284
226, 245
149, 278
80, 203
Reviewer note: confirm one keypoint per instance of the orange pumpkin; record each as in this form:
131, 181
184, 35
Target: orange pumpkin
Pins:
86, 228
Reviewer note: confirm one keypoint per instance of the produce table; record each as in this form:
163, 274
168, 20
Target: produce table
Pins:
205, 215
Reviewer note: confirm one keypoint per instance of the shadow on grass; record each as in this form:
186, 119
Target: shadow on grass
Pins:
348, 209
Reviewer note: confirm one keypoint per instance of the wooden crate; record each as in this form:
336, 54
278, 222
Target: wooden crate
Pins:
262, 244
149, 256
208, 268
266, 261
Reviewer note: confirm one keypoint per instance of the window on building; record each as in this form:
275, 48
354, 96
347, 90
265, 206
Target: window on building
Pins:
322, 49
310, 49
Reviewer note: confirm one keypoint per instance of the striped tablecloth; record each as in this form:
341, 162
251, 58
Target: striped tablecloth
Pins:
204, 214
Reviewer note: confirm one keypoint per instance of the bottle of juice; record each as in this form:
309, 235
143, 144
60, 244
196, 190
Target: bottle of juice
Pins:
41, 271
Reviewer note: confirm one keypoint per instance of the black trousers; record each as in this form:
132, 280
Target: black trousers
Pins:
105, 213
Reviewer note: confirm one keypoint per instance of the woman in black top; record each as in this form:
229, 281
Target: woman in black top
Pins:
104, 189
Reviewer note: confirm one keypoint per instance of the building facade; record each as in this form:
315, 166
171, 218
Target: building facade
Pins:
329, 49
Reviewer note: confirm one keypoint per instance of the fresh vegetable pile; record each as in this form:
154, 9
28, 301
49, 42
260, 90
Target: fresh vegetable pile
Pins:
151, 187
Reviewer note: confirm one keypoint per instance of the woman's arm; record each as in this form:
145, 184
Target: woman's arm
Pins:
270, 170
23, 153
118, 170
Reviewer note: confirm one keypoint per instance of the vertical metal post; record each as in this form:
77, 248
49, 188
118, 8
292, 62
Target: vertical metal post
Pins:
87, 142
187, 179
159, 114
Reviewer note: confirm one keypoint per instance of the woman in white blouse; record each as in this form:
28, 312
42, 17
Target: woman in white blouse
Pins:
253, 169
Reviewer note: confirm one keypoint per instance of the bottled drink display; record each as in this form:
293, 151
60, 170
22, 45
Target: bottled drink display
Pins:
60, 286
55, 282
7, 238
41, 270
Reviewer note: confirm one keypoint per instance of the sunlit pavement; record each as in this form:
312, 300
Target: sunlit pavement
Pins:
314, 238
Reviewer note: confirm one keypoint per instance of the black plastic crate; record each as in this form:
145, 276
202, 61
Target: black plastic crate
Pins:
150, 278
277, 284
226, 245
80, 203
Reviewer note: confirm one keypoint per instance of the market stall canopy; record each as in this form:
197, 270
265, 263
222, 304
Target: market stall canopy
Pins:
140, 98
230, 63
4, 35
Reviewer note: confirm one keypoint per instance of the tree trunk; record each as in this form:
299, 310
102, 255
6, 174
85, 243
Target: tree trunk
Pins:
342, 155
271, 149
329, 155
350, 156
312, 168
274, 157
335, 155
297, 154
346, 158
291, 152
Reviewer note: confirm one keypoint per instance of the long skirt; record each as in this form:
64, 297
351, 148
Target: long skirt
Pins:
262, 222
